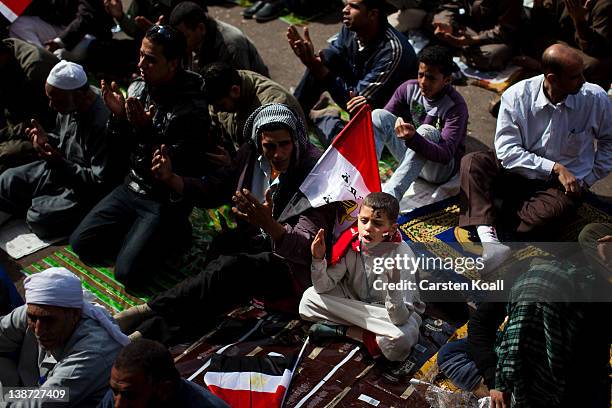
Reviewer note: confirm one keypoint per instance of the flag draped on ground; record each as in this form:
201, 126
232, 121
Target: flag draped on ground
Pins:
250, 381
11, 9
347, 172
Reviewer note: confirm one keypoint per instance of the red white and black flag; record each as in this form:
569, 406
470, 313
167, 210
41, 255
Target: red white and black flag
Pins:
250, 381
347, 172
11, 9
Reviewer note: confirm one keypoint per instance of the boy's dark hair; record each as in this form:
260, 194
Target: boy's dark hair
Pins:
150, 357
219, 78
173, 42
438, 56
383, 202
188, 13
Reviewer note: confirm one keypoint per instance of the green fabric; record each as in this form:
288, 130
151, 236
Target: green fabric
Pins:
535, 348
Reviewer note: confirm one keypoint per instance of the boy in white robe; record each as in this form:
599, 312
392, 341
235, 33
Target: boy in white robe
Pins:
353, 293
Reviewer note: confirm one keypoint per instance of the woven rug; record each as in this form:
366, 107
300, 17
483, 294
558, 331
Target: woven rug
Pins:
438, 222
100, 281
351, 376
434, 233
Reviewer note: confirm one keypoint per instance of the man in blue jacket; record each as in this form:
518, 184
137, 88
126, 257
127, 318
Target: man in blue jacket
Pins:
366, 62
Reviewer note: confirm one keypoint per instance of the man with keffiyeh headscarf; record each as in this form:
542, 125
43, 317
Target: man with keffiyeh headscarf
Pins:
264, 258
61, 339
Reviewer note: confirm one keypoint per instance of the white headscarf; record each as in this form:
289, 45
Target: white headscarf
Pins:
60, 287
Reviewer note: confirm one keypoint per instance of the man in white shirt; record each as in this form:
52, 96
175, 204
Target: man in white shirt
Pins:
545, 153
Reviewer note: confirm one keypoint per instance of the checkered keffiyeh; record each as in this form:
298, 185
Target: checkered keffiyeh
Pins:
276, 113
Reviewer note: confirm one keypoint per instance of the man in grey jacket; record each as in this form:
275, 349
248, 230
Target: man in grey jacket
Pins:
55, 192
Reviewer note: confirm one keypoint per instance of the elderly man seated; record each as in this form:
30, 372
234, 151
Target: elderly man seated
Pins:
60, 339
57, 190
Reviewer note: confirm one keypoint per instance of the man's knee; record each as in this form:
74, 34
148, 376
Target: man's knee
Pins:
402, 347
85, 245
380, 117
307, 304
477, 160
429, 132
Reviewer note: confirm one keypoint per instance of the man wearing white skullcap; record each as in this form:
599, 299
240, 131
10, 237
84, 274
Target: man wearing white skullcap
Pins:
61, 339
54, 192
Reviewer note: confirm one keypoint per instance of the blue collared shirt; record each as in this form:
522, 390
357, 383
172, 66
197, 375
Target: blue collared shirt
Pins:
533, 133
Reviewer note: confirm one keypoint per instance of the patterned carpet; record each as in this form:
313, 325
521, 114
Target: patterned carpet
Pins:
360, 378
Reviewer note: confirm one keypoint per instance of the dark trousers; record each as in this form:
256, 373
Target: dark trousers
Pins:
528, 205
455, 362
309, 91
191, 307
35, 190
139, 231
310, 88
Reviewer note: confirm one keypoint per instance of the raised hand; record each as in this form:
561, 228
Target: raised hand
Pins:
114, 8
355, 103
302, 47
248, 208
161, 165
143, 23
52, 46
37, 136
578, 10
137, 115
113, 98
499, 399
317, 248
404, 131
220, 157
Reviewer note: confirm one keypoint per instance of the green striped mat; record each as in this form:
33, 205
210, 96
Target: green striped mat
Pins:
100, 281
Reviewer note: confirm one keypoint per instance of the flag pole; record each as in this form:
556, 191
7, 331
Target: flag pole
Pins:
295, 366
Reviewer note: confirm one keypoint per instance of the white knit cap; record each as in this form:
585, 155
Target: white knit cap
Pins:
60, 287
67, 76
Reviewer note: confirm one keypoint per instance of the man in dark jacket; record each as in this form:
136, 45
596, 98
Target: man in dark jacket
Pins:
210, 40
485, 30
235, 94
64, 27
24, 69
366, 62
585, 26
141, 220
272, 260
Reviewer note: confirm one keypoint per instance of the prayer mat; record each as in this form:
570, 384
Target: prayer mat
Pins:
437, 222
334, 373
100, 280
434, 234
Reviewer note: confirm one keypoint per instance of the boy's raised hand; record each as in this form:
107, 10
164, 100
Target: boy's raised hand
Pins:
317, 248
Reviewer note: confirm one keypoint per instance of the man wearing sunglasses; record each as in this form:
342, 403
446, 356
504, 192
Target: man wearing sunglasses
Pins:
141, 221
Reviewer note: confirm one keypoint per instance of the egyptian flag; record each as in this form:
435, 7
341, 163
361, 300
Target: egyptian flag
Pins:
250, 381
347, 172
11, 9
